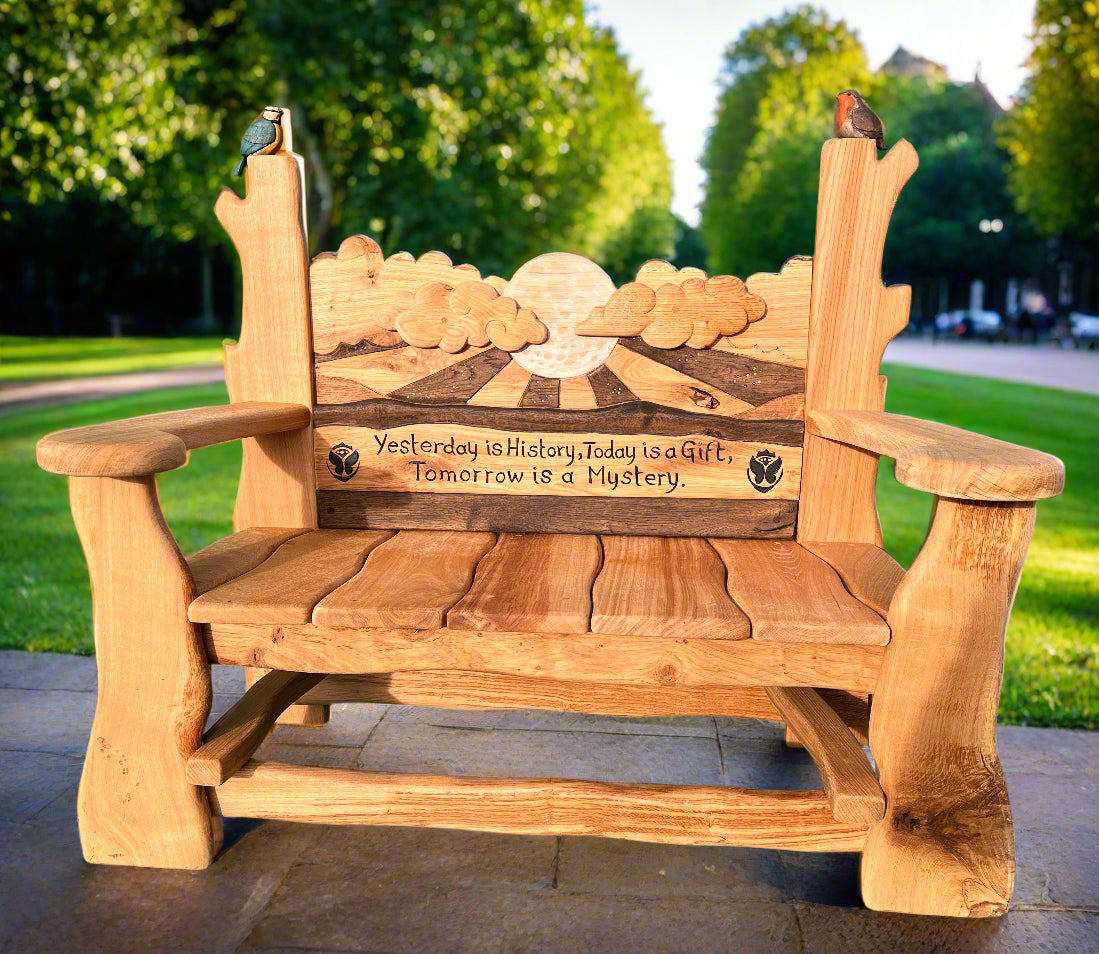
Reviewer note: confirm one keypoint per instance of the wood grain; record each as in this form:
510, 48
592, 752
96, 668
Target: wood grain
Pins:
457, 383
946, 460
541, 392
652, 381
155, 443
505, 389
415, 458
642, 417
474, 690
237, 734
849, 782
533, 582
272, 362
567, 656
781, 336
229, 557
764, 518
577, 394
792, 596
135, 805
853, 317
409, 581
608, 388
664, 586
389, 370
946, 845
286, 586
748, 379
870, 573
691, 815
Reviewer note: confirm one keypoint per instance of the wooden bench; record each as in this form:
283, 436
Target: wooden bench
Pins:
546, 492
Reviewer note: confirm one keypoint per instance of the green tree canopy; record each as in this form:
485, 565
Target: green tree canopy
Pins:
490, 131
779, 81
1051, 132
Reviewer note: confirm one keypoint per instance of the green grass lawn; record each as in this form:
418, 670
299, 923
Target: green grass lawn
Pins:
38, 359
1052, 669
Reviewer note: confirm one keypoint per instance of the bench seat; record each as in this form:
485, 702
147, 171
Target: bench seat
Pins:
770, 591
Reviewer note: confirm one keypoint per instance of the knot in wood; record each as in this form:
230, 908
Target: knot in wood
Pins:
667, 674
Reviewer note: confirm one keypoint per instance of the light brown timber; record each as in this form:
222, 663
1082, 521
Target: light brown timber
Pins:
849, 783
227, 558
273, 361
532, 582
664, 586
141, 446
687, 815
946, 845
944, 460
410, 581
870, 573
286, 586
853, 317
569, 656
237, 734
792, 596
135, 805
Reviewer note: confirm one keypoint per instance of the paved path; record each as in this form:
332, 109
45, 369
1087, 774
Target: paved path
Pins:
72, 390
1046, 365
291, 888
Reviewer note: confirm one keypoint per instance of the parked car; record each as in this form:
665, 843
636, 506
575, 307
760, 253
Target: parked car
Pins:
1083, 330
970, 323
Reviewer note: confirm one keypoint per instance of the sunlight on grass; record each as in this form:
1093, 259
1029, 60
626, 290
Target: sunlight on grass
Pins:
1052, 665
39, 359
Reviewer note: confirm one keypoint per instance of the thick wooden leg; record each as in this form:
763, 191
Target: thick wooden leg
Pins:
946, 845
312, 713
135, 805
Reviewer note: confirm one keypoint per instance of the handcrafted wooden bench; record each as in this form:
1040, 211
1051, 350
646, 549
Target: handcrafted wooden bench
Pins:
551, 493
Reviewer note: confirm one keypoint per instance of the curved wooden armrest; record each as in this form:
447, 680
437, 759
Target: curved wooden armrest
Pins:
944, 460
141, 446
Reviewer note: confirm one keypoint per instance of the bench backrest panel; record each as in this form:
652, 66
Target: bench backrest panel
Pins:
554, 402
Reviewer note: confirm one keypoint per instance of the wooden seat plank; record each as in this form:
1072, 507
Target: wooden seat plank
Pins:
229, 557
664, 586
287, 585
532, 582
792, 596
409, 581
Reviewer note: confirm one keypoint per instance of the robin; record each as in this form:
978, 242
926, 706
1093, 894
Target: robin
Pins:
263, 137
856, 120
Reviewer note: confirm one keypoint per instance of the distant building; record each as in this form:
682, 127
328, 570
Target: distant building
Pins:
911, 65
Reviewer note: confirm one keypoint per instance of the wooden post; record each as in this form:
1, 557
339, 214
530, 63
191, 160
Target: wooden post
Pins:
853, 316
946, 843
135, 805
273, 361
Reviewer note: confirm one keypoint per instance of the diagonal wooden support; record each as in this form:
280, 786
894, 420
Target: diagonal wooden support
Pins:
849, 783
233, 739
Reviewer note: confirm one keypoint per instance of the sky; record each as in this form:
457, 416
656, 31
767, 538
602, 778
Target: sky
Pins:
678, 46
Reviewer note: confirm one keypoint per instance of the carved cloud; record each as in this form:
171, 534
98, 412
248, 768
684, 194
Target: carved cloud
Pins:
473, 313
357, 293
669, 308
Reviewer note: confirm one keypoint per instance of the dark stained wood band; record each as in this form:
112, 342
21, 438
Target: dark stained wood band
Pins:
542, 392
641, 417
749, 379
349, 509
608, 388
350, 350
458, 383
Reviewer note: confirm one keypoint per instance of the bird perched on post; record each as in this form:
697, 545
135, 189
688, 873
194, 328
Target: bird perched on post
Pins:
262, 138
856, 120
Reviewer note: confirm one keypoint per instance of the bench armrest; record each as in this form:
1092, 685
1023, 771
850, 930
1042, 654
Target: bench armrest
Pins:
943, 460
142, 446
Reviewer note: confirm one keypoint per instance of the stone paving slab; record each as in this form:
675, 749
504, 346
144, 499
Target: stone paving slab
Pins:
385, 890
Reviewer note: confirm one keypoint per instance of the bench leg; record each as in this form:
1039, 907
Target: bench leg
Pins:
135, 805
946, 844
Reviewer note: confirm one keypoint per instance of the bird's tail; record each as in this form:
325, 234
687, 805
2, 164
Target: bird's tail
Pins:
239, 171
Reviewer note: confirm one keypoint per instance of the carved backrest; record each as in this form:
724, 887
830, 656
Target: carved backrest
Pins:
674, 405
555, 402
